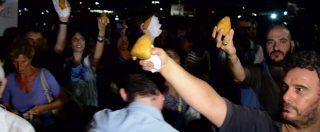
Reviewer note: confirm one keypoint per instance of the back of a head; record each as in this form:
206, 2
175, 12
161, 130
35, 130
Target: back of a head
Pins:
139, 85
304, 59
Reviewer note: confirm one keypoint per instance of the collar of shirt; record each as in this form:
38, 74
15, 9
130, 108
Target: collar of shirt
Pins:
137, 106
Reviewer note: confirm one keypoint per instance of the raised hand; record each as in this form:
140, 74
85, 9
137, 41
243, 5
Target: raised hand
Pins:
149, 65
224, 43
64, 13
103, 23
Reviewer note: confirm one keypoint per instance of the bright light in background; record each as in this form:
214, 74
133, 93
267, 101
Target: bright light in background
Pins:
80, 2
47, 11
212, 12
243, 7
116, 18
155, 2
25, 9
100, 11
161, 9
285, 13
254, 14
285, 23
42, 13
96, 3
239, 16
273, 16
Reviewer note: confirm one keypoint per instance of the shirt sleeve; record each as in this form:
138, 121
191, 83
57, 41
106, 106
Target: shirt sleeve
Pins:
243, 119
6, 92
5, 95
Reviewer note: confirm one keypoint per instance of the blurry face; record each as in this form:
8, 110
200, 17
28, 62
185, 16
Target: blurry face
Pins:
36, 39
278, 44
247, 29
186, 45
77, 42
123, 43
21, 63
302, 97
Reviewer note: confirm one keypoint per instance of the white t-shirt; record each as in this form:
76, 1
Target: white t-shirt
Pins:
10, 122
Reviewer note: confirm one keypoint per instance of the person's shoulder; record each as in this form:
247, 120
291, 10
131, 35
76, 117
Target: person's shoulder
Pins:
106, 115
246, 119
14, 122
45, 71
107, 120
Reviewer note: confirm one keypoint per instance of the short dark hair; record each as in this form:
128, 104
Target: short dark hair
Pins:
21, 46
137, 84
304, 59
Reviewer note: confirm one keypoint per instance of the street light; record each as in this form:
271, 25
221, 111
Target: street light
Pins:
155, 3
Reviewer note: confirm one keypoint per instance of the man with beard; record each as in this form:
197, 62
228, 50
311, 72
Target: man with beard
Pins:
300, 89
264, 78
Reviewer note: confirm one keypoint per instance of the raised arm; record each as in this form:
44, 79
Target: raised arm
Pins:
64, 15
196, 92
226, 44
102, 24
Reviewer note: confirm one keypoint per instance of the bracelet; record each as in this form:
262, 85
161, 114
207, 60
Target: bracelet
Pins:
101, 39
66, 23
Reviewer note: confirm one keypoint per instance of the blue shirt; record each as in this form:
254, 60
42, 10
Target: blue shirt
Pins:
22, 101
137, 117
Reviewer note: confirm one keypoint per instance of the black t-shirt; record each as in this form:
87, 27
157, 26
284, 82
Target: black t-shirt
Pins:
243, 119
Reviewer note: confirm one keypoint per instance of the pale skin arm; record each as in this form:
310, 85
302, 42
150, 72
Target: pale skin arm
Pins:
38, 109
196, 92
64, 15
61, 39
234, 63
100, 45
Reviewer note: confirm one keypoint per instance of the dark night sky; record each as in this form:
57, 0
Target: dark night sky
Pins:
203, 7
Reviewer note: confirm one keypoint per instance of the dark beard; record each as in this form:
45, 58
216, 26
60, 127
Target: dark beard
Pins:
307, 120
279, 63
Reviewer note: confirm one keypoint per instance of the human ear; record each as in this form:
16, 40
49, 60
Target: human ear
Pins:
123, 94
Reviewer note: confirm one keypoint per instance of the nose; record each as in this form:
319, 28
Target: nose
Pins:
18, 66
276, 45
289, 95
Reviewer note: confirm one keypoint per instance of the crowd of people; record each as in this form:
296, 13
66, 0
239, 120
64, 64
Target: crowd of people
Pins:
73, 79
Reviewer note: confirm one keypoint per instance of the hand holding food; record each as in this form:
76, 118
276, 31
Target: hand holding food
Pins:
224, 24
62, 8
223, 34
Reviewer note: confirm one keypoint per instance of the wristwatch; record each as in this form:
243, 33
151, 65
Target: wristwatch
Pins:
101, 39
